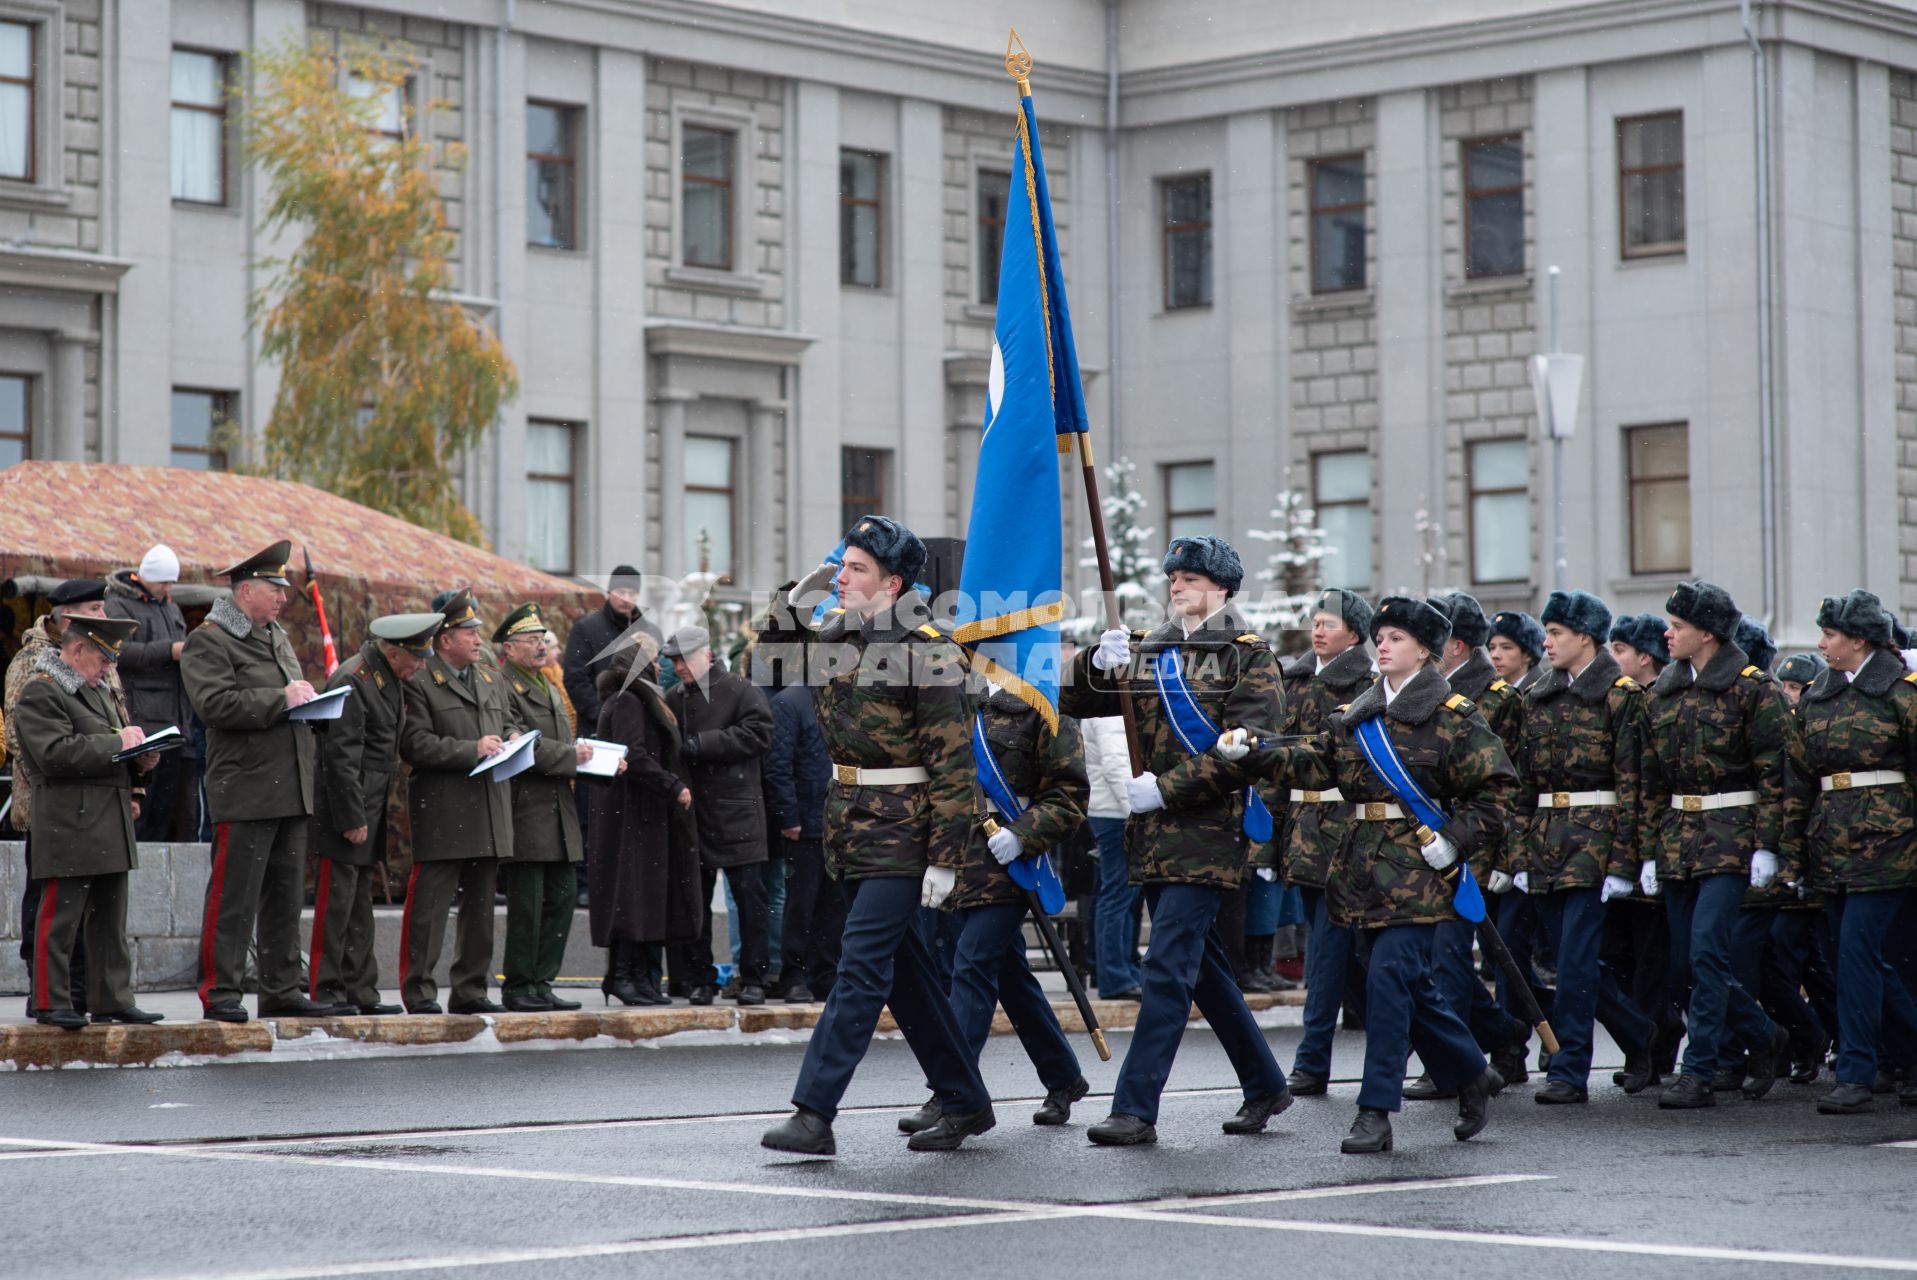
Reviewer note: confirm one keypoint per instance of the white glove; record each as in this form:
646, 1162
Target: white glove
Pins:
1615, 887
1763, 868
1005, 846
1647, 877
1440, 853
1499, 882
937, 886
1144, 793
819, 580
1522, 882
1233, 745
1114, 650
1268, 874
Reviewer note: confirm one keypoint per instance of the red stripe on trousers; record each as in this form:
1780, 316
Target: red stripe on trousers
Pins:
406, 925
209, 928
49, 902
320, 894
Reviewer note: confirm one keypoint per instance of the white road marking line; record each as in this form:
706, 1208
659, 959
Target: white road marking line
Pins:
1909, 1144
1372, 1231
1177, 1204
561, 1253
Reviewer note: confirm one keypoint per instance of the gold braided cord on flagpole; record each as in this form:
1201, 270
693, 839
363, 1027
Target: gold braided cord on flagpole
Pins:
1006, 623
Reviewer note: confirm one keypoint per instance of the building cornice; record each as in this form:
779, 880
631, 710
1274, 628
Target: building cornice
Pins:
63, 270
725, 342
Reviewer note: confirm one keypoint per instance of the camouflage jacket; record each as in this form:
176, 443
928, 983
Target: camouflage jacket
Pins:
1861, 838
1583, 734
1729, 730
1503, 709
890, 693
1047, 771
1379, 876
1198, 837
1312, 831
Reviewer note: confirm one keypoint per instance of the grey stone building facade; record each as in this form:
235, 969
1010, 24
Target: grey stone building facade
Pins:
743, 253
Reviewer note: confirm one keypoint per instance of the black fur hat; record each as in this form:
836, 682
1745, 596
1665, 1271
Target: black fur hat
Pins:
1802, 668
1468, 623
1704, 605
1525, 631
896, 548
1756, 642
1859, 614
1203, 553
1581, 611
1422, 620
1349, 605
1643, 632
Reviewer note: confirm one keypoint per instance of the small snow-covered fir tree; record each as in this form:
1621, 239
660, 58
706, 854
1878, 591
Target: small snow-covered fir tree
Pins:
1134, 551
1294, 571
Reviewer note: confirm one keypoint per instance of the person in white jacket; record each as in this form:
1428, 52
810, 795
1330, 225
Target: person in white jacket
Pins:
1108, 765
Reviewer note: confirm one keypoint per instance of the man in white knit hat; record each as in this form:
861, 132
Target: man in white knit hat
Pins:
150, 672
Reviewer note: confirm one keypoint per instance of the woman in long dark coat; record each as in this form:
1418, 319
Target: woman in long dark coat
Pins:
643, 861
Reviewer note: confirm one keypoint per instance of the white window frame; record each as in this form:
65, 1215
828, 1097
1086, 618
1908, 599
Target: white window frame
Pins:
49, 182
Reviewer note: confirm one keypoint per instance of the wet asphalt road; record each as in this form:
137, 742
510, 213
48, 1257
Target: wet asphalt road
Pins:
562, 1165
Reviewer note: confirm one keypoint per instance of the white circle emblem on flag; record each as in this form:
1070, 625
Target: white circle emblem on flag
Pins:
994, 385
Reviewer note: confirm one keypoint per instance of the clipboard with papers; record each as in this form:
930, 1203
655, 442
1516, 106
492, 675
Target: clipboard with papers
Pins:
513, 760
605, 758
324, 706
167, 739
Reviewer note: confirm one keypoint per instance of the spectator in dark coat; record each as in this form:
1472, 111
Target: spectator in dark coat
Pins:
155, 696
586, 658
797, 774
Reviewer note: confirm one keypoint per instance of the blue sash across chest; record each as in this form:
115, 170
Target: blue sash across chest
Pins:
1197, 734
1032, 871
1374, 742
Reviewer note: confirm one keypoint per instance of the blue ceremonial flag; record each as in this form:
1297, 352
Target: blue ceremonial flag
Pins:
1010, 587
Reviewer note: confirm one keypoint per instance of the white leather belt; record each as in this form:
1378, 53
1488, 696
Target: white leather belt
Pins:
1574, 799
1333, 796
1870, 778
1723, 800
1375, 811
850, 775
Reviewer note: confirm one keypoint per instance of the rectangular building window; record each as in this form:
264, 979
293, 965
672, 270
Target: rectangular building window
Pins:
550, 466
389, 104
199, 422
994, 189
19, 69
1187, 249
861, 219
862, 477
1191, 499
199, 127
1658, 459
705, 177
712, 499
1337, 224
551, 167
1341, 494
16, 418
1493, 207
1650, 157
1498, 477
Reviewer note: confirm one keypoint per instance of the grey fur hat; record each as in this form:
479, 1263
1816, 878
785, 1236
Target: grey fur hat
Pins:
1429, 625
1704, 605
1349, 605
1523, 630
1581, 611
1756, 642
1468, 623
1859, 614
1802, 668
1643, 632
1203, 553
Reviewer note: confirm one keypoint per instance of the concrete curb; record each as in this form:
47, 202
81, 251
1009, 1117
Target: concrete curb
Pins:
32, 1047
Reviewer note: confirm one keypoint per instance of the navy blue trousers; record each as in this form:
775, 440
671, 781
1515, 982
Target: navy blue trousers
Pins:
1872, 1001
1186, 964
1703, 914
1402, 1002
1465, 992
1573, 920
1328, 962
989, 969
1517, 921
883, 961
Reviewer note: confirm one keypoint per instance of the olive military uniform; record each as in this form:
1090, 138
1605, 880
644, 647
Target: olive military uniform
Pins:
541, 887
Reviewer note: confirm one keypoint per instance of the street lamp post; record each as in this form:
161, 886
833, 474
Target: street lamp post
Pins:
1557, 381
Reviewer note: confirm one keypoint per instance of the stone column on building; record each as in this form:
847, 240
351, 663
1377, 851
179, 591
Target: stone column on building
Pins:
69, 417
1410, 321
762, 554
673, 552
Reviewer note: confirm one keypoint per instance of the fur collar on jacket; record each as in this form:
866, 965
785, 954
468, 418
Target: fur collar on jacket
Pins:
1591, 685
1880, 671
227, 617
1412, 705
1716, 676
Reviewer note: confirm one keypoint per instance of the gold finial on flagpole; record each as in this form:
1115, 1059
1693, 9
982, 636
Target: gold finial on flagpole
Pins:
1018, 63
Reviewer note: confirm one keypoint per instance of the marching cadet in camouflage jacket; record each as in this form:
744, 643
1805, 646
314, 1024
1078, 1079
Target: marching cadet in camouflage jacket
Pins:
1582, 734
1314, 828
1044, 768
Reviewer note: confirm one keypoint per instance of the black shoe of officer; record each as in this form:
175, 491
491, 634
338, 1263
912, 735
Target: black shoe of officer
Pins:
798, 993
750, 994
1121, 1130
1509, 1058
1805, 1070
1057, 1107
702, 994
65, 1019
1370, 1133
528, 1004
1257, 1113
1728, 1079
924, 1118
301, 1007
1560, 1093
559, 1002
952, 1129
1425, 1089
1846, 1100
1640, 1068
805, 1133
425, 1006
225, 1011
377, 1010
132, 1014
1884, 1082
1305, 1085
1687, 1093
1765, 1065
481, 1005
1474, 1104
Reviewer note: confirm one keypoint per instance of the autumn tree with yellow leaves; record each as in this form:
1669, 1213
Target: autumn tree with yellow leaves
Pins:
384, 381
